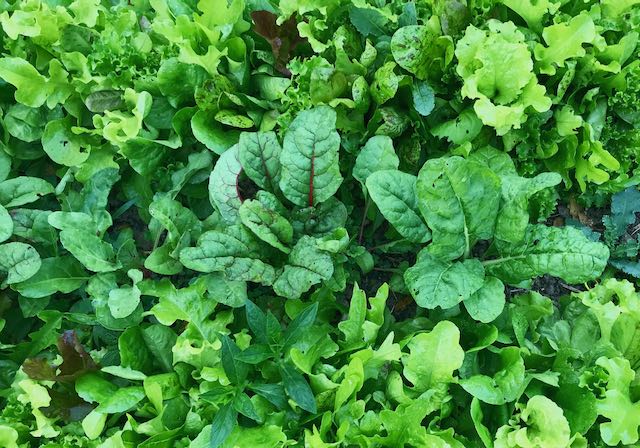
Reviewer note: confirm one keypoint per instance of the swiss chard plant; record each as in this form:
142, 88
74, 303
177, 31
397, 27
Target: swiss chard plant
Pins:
457, 203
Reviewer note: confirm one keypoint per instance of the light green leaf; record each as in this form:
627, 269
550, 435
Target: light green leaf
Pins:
19, 260
394, 193
122, 400
459, 199
58, 274
503, 87
267, 224
259, 154
223, 185
514, 211
423, 98
486, 304
433, 357
124, 300
63, 146
563, 252
616, 406
564, 41
32, 88
436, 283
540, 423
307, 265
376, 155
6, 224
95, 254
310, 170
23, 190
212, 134
532, 11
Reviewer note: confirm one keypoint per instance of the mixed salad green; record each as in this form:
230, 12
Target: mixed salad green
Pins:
319, 223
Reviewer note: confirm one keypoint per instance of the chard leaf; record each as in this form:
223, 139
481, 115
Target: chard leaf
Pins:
563, 252
307, 266
224, 190
436, 283
310, 170
259, 154
459, 199
232, 252
267, 224
394, 194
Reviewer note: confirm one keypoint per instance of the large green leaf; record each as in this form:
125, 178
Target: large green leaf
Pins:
563, 252
310, 170
394, 193
19, 260
459, 199
58, 274
434, 282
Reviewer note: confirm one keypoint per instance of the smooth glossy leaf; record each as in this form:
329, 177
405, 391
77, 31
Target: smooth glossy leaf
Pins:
394, 194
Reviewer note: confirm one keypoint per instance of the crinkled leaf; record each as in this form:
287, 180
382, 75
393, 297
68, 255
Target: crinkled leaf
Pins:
434, 356
224, 190
259, 154
267, 224
563, 252
306, 266
310, 170
459, 200
436, 283
232, 252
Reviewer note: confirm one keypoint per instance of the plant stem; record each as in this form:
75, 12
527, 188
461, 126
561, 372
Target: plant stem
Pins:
364, 218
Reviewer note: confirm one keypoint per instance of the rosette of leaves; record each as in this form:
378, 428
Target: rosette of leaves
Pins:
290, 247
497, 69
457, 203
